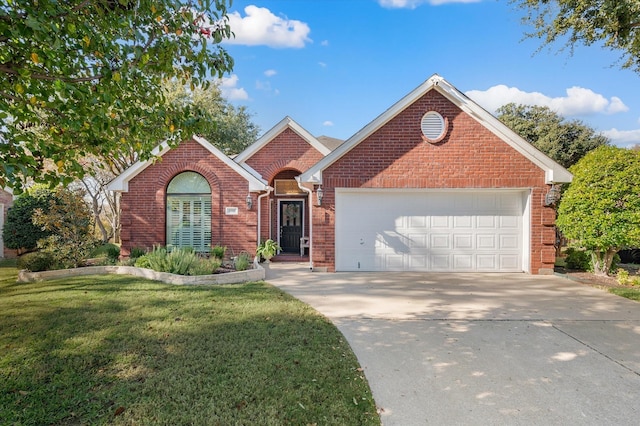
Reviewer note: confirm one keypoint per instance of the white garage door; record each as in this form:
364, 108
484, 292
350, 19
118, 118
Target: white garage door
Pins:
399, 230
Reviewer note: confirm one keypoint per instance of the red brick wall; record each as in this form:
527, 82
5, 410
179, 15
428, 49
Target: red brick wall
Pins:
144, 211
287, 152
470, 156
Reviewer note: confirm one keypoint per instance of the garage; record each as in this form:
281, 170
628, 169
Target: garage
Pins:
431, 230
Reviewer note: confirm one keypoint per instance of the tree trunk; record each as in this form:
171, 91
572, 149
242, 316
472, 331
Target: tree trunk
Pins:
602, 260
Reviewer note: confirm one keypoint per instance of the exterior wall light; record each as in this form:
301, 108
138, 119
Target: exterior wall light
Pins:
320, 194
249, 202
553, 196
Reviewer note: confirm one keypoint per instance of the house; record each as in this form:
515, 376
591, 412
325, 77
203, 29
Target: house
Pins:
435, 183
6, 201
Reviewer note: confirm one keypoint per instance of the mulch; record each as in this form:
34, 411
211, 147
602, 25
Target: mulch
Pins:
593, 280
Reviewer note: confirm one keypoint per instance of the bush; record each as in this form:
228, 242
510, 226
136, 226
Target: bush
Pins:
137, 252
36, 261
19, 231
205, 266
109, 251
622, 276
243, 261
218, 251
143, 262
578, 260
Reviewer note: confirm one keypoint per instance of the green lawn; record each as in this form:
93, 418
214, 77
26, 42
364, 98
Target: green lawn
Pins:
123, 350
632, 293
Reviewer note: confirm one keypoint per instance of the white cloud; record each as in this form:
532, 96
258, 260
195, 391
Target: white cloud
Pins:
324, 43
260, 27
230, 91
623, 138
412, 4
578, 101
322, 64
270, 73
328, 123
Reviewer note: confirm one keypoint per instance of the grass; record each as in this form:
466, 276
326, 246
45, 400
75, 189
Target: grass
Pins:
632, 293
122, 350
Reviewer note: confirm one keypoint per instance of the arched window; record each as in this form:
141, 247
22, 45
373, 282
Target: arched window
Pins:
189, 212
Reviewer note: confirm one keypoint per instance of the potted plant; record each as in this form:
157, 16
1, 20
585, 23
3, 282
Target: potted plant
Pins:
267, 249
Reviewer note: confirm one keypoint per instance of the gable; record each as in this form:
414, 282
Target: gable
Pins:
121, 182
287, 143
397, 131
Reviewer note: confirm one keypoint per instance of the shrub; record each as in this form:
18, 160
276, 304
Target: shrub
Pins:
19, 231
137, 252
219, 251
69, 219
142, 262
635, 281
243, 261
109, 251
622, 276
578, 260
205, 266
36, 261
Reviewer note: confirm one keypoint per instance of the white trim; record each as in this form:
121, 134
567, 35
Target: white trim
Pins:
554, 173
286, 122
121, 182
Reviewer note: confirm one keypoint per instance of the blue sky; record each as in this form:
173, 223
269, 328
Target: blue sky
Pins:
335, 65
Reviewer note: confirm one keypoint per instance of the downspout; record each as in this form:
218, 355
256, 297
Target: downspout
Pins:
269, 190
310, 192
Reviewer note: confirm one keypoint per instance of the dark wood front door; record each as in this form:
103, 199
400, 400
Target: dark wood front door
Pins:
291, 220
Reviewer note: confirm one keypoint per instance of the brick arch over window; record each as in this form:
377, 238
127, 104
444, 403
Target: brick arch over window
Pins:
217, 200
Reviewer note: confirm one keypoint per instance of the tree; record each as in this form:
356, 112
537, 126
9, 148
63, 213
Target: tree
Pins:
230, 129
82, 78
68, 220
564, 141
19, 231
615, 23
600, 211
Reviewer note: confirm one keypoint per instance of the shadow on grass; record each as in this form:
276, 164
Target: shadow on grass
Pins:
97, 350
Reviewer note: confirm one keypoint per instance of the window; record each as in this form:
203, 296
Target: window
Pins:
189, 212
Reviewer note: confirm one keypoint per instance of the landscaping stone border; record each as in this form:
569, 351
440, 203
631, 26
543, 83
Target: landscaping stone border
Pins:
256, 274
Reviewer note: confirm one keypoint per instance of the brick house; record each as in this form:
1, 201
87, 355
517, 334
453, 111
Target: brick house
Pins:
435, 183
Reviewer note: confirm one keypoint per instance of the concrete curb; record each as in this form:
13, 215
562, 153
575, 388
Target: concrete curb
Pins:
256, 274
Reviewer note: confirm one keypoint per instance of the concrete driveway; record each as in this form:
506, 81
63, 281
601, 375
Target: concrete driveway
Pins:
486, 349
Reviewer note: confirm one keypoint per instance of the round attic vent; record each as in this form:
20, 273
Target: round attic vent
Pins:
433, 126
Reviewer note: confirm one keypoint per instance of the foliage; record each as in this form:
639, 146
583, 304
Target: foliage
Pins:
614, 23
109, 251
19, 230
268, 249
578, 260
69, 221
564, 141
229, 128
83, 77
136, 252
218, 251
116, 350
622, 276
180, 261
36, 261
242, 262
628, 292
600, 211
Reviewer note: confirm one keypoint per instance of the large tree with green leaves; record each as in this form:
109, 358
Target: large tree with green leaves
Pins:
565, 141
600, 211
614, 23
84, 77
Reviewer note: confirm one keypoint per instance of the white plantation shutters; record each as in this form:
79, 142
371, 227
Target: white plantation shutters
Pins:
189, 212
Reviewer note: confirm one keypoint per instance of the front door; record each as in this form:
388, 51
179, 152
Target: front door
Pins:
291, 220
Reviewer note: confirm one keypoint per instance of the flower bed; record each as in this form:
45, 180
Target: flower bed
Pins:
255, 274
